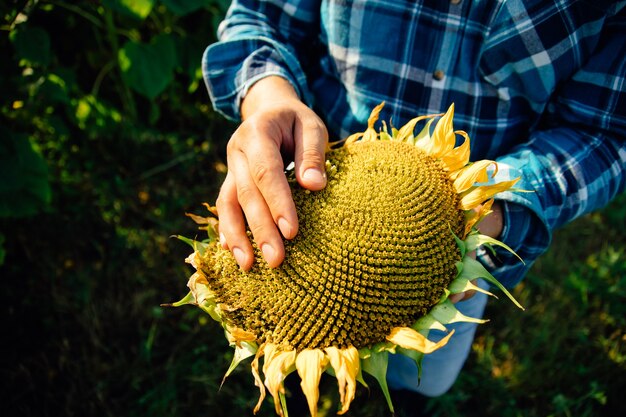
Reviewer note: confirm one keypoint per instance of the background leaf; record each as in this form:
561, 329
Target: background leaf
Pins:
148, 68
24, 189
183, 7
138, 9
32, 45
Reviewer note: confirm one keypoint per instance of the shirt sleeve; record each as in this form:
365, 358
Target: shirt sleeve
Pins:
574, 164
258, 39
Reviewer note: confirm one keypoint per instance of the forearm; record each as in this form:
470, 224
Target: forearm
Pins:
259, 39
565, 173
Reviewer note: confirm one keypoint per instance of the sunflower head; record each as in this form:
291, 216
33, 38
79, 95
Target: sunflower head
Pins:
379, 251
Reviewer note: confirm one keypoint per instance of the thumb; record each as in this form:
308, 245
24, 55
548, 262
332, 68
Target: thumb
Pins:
311, 138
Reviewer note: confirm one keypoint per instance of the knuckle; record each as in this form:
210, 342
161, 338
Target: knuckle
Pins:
263, 171
312, 156
260, 171
221, 202
245, 194
262, 231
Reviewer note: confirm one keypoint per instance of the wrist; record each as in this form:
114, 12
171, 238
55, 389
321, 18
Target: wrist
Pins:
266, 92
493, 223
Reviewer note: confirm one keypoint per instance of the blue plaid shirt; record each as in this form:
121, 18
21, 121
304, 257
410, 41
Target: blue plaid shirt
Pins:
538, 85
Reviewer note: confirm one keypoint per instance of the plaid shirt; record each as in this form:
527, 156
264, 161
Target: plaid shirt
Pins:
538, 85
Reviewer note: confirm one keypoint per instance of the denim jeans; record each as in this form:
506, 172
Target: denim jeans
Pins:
440, 368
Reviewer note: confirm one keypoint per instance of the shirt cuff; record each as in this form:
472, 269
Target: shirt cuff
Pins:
231, 67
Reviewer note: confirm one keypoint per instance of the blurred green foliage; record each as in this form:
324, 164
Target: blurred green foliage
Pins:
90, 71
107, 138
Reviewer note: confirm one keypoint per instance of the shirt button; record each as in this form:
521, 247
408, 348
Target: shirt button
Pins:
438, 75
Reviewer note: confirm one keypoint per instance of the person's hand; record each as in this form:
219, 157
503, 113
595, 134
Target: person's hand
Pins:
490, 226
276, 125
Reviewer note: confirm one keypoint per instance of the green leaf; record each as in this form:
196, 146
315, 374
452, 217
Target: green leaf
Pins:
473, 269
447, 313
139, 9
243, 351
475, 240
92, 114
54, 89
183, 7
189, 52
463, 284
375, 364
186, 300
188, 241
460, 244
418, 357
32, 45
24, 189
427, 322
148, 68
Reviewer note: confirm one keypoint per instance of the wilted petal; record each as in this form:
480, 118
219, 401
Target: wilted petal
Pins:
237, 335
423, 139
406, 131
345, 363
370, 134
257, 377
476, 172
411, 339
475, 216
278, 364
310, 364
481, 193
443, 136
352, 138
458, 157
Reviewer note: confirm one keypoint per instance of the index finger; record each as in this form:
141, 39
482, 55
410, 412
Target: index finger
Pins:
267, 170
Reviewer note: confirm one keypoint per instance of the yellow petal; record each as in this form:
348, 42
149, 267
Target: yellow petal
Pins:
481, 193
408, 338
374, 115
458, 157
477, 215
310, 364
406, 131
476, 172
199, 286
423, 139
443, 136
278, 364
352, 138
212, 209
257, 378
237, 335
345, 363
370, 134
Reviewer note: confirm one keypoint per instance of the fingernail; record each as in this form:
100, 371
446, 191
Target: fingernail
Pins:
314, 176
285, 228
223, 241
268, 252
240, 256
